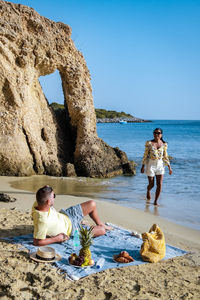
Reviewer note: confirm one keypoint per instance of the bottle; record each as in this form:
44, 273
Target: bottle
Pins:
100, 263
76, 240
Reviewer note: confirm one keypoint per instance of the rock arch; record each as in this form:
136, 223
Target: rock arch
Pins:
33, 139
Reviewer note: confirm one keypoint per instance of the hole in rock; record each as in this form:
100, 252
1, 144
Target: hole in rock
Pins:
53, 91
52, 87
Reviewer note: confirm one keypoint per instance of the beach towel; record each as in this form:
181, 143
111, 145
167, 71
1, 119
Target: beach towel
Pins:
112, 243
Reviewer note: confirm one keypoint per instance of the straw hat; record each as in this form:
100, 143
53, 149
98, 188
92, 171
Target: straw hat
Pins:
45, 254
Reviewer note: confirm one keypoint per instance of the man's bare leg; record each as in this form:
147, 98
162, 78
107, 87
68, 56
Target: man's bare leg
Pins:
89, 208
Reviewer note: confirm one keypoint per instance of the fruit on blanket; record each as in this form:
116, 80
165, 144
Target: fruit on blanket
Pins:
85, 263
86, 242
74, 254
91, 262
84, 257
72, 259
79, 260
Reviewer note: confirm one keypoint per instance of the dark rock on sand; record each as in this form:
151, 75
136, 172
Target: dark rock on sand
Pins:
6, 198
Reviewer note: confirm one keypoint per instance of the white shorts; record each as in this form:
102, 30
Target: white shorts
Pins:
154, 167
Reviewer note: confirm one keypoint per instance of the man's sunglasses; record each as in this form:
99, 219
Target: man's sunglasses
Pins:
157, 132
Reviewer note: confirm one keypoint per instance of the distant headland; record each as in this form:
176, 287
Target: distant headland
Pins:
108, 116
111, 116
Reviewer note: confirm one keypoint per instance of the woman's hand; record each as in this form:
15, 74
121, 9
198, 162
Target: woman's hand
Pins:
142, 169
170, 170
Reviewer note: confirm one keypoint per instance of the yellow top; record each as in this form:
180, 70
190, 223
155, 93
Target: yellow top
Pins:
152, 153
49, 223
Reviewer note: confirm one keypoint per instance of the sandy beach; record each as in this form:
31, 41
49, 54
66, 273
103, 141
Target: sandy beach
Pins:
21, 278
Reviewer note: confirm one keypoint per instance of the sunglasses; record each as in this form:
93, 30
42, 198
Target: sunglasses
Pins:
157, 132
54, 195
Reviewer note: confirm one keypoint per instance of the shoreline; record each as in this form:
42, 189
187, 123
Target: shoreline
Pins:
105, 191
130, 218
22, 278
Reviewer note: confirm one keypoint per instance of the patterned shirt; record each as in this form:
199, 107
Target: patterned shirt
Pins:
151, 152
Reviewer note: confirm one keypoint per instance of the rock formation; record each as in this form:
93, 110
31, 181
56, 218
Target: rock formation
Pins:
6, 198
33, 139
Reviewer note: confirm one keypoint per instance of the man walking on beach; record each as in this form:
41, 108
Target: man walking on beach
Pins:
51, 226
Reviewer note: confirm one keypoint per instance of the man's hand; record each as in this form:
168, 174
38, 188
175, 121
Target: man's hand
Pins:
61, 237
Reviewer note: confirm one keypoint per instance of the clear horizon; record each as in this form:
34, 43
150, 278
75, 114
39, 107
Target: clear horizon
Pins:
143, 56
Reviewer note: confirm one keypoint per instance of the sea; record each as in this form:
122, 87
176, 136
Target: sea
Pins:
180, 198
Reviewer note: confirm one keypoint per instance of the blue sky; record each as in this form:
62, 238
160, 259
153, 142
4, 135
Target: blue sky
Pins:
143, 55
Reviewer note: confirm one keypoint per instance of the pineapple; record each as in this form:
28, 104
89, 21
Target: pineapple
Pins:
86, 242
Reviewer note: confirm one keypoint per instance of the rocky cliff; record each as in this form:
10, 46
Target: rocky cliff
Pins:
33, 139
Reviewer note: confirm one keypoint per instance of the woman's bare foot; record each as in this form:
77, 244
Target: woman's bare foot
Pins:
148, 202
155, 203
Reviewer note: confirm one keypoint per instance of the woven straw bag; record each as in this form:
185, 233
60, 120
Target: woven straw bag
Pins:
153, 248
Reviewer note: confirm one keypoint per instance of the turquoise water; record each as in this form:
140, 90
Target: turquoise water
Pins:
180, 198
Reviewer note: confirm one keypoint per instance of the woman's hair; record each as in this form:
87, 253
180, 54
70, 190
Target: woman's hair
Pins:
43, 193
159, 129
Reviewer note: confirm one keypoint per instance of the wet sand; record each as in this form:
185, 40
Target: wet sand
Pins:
21, 278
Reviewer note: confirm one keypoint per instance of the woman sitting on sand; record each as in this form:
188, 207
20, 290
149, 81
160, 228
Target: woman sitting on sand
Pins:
154, 159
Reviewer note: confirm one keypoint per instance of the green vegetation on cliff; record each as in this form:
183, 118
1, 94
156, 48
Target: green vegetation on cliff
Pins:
100, 113
111, 114
56, 106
